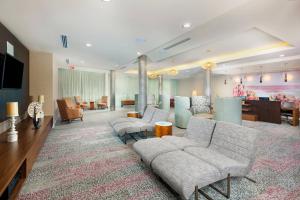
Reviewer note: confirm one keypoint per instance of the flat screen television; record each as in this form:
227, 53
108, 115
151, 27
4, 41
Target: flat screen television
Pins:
11, 72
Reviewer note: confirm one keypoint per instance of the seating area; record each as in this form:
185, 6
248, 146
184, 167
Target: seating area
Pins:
209, 152
150, 100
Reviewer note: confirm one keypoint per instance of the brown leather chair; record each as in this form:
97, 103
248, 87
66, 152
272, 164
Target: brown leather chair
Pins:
68, 110
80, 103
103, 102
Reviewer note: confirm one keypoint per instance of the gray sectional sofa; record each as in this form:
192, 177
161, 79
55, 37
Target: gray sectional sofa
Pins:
210, 151
124, 127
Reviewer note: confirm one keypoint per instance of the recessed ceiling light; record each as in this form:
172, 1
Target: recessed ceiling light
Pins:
139, 53
282, 55
106, 0
88, 44
187, 25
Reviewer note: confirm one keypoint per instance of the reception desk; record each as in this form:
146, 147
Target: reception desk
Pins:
266, 111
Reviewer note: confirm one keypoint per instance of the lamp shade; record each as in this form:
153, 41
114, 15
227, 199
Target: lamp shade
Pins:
41, 99
12, 109
194, 93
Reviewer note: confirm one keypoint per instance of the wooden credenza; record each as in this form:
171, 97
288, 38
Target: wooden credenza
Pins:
17, 159
266, 111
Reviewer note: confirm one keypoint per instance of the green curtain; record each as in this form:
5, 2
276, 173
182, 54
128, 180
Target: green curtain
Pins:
89, 85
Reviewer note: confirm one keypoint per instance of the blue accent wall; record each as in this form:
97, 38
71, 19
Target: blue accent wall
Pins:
22, 54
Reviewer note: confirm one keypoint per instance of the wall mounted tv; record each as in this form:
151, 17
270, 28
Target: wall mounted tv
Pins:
11, 72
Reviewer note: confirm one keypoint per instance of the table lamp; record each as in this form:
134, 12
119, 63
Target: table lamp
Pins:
194, 93
12, 112
41, 100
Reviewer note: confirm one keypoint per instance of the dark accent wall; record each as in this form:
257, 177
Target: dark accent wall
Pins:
22, 54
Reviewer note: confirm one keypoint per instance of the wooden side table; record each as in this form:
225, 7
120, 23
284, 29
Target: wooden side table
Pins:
163, 128
133, 114
92, 105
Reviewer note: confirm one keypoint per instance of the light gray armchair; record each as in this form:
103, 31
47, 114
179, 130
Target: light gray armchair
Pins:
126, 126
210, 151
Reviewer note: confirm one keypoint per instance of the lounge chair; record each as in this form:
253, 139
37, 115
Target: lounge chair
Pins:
209, 152
127, 126
148, 114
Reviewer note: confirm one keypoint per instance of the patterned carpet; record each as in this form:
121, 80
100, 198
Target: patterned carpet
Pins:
84, 160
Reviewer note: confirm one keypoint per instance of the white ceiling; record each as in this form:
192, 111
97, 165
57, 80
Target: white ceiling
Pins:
116, 29
121, 28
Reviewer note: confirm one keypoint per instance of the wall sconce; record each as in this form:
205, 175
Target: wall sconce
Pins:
267, 77
249, 78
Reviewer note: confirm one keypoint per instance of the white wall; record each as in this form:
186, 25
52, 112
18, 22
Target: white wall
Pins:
41, 78
187, 85
219, 89
197, 82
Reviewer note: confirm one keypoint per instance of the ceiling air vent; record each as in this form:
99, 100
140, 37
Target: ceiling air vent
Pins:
177, 43
64, 41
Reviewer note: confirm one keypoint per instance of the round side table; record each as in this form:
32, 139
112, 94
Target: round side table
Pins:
163, 128
133, 114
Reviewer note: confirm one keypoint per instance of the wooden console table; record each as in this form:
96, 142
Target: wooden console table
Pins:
17, 158
127, 102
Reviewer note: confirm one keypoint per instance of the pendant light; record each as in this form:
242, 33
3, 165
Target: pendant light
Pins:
261, 75
225, 81
285, 74
241, 78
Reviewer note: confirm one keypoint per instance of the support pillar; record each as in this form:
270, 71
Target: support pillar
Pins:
112, 90
208, 79
142, 103
160, 84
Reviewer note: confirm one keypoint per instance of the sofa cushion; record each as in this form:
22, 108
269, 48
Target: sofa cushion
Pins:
125, 119
183, 172
148, 114
180, 142
149, 149
223, 163
143, 126
159, 115
199, 109
127, 127
200, 101
200, 130
235, 142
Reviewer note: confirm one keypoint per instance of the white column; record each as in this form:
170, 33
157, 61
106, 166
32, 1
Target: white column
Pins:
160, 84
112, 90
142, 60
208, 79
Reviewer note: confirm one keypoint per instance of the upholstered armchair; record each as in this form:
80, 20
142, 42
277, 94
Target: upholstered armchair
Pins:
200, 104
103, 103
68, 110
229, 109
182, 112
80, 103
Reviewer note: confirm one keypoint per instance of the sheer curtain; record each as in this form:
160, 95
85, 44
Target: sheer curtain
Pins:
89, 85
